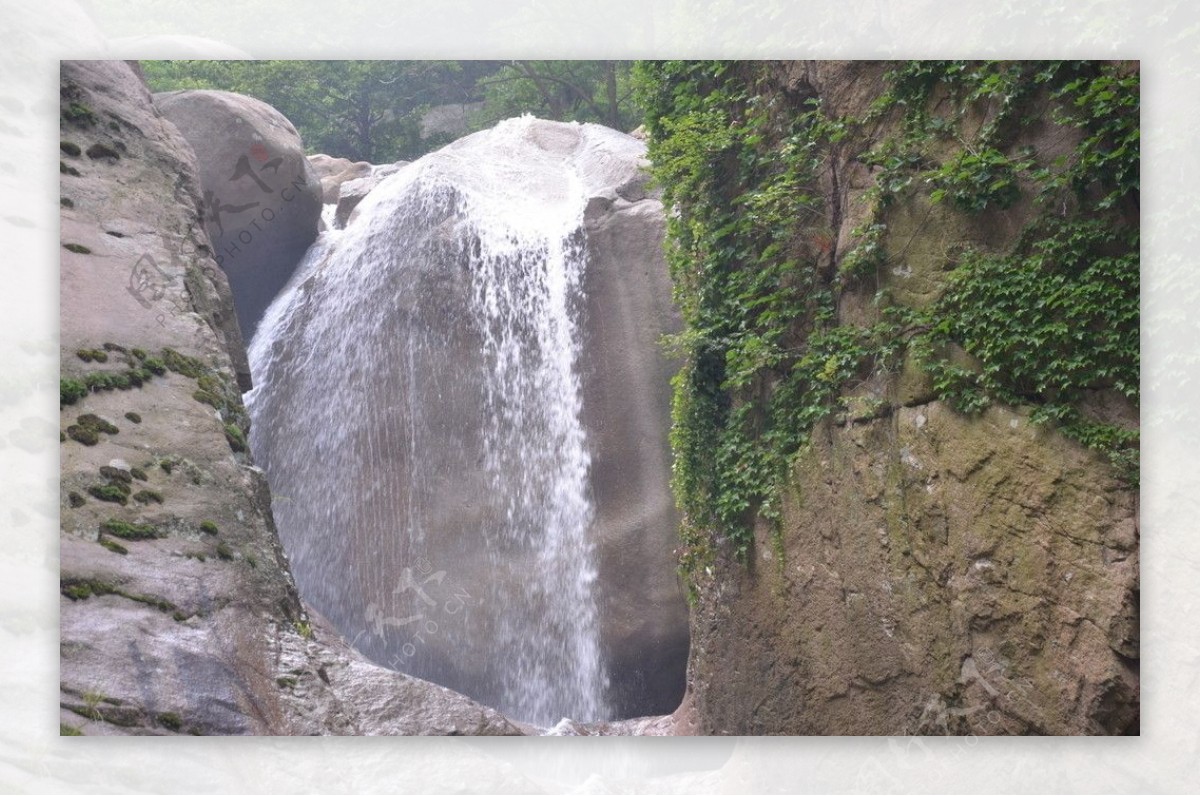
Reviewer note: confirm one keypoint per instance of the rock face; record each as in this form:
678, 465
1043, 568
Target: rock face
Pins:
934, 573
178, 610
332, 172
262, 199
399, 471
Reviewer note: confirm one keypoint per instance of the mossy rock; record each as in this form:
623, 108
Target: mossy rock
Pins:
130, 531
100, 151
110, 493
82, 435
116, 547
70, 391
182, 363
116, 474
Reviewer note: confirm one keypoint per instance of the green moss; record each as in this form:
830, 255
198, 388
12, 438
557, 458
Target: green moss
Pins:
206, 397
114, 347
75, 499
224, 553
65, 202
70, 391
167, 466
82, 435
234, 436
182, 364
155, 366
304, 628
148, 496
116, 547
91, 355
78, 113
78, 248
96, 422
209, 527
69, 148
130, 531
133, 417
286, 681
110, 493
65, 729
251, 560
63, 168
171, 721
139, 474
139, 353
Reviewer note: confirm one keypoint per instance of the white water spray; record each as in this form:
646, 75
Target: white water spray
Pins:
417, 410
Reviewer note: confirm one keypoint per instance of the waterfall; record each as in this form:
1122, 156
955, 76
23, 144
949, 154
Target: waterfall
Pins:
417, 409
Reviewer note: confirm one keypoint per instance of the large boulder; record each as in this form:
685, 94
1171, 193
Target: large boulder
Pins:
262, 199
178, 610
401, 411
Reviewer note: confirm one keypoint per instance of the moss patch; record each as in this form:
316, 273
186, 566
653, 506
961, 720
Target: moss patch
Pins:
133, 417
78, 248
209, 527
147, 496
130, 531
69, 148
116, 547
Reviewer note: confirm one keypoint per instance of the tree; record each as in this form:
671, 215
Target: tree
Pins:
586, 91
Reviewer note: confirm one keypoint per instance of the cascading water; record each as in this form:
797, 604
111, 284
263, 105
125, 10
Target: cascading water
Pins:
417, 408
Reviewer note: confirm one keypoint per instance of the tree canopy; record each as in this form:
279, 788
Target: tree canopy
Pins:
372, 110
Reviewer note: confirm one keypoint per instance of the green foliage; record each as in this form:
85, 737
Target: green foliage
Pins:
209, 527
372, 110
129, 531
70, 391
764, 360
764, 357
584, 91
180, 363
1055, 319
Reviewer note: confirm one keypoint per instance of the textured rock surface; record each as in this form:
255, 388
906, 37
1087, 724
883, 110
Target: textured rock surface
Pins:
935, 574
352, 192
198, 629
399, 265
332, 172
262, 198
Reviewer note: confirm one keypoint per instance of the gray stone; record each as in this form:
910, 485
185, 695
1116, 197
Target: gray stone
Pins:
262, 199
190, 631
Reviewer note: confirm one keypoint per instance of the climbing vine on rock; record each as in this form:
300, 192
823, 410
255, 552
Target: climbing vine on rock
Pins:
764, 358
1048, 322
1054, 320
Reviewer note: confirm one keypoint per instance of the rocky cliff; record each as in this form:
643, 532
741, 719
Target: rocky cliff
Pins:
906, 433
178, 611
